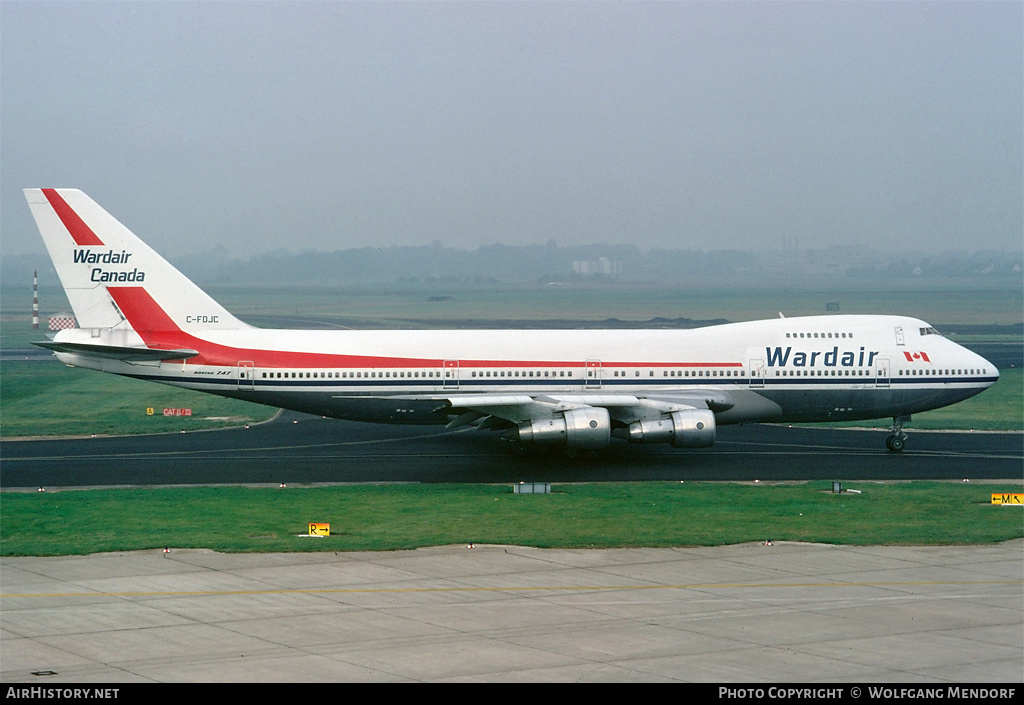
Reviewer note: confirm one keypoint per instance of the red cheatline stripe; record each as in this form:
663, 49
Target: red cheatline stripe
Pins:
82, 233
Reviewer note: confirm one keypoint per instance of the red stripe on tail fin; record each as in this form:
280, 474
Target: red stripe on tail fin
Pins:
82, 233
143, 313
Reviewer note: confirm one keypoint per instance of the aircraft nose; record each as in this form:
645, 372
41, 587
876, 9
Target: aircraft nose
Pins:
989, 369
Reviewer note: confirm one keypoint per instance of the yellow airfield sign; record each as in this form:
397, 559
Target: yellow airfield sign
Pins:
1008, 498
319, 529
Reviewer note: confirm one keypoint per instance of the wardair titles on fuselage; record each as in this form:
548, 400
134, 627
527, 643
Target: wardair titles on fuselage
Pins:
779, 357
99, 274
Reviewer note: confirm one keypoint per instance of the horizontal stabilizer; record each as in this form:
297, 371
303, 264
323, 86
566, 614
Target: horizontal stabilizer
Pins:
117, 352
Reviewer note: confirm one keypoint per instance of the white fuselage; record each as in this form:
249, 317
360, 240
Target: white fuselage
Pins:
788, 369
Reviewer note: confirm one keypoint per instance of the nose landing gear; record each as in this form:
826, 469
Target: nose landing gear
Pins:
898, 439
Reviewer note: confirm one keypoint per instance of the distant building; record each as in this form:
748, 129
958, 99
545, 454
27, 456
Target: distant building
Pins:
602, 266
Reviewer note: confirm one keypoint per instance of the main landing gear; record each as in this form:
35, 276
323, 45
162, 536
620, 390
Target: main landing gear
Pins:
898, 439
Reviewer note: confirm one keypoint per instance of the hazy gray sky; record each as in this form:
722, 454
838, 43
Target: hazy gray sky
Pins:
327, 125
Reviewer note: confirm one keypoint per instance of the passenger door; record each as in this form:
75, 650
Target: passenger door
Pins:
246, 374
757, 374
450, 374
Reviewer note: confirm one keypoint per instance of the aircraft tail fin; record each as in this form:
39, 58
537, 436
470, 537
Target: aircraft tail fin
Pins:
113, 280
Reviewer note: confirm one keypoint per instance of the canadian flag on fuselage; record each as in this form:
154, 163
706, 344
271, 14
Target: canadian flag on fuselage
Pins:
917, 356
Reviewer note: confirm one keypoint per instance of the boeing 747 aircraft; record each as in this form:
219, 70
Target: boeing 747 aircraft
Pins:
140, 317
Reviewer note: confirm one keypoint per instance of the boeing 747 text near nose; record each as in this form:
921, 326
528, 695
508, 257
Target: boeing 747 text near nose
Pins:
140, 317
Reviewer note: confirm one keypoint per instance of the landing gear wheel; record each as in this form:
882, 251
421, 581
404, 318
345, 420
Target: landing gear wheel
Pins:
895, 444
898, 440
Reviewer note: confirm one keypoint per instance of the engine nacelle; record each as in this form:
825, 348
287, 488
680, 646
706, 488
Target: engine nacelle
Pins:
690, 428
585, 428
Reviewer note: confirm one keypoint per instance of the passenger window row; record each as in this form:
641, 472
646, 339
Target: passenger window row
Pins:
350, 375
525, 373
926, 372
822, 373
493, 373
819, 335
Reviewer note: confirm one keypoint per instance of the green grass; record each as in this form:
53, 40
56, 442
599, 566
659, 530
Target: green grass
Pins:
604, 515
49, 399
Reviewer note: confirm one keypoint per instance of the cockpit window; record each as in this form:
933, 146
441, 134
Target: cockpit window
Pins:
930, 331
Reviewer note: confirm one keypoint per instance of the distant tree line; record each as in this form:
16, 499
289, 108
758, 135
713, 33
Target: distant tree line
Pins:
551, 263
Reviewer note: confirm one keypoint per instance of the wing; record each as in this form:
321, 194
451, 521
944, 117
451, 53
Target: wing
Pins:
685, 418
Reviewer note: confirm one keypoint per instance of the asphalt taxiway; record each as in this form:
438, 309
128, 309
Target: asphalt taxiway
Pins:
298, 448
